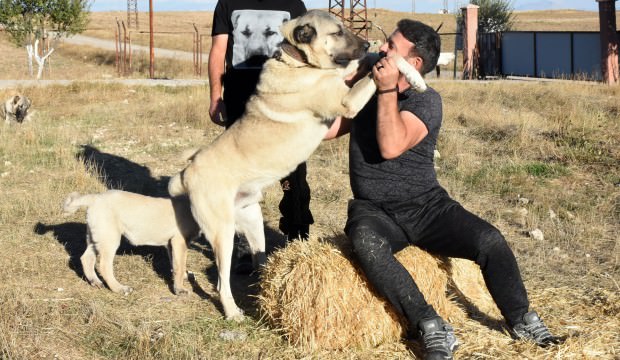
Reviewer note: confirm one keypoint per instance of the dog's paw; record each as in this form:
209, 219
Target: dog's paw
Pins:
236, 316
125, 290
350, 114
96, 283
179, 291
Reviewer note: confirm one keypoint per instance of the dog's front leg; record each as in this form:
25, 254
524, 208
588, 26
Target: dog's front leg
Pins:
413, 76
358, 96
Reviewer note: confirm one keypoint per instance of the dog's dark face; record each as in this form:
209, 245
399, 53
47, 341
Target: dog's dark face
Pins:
22, 104
325, 41
16, 108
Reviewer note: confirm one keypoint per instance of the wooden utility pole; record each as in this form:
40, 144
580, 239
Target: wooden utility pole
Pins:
151, 42
609, 41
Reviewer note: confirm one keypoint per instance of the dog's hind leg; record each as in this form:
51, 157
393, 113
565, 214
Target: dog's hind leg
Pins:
88, 260
249, 222
178, 260
108, 240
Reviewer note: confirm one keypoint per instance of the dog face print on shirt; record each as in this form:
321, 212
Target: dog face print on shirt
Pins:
256, 36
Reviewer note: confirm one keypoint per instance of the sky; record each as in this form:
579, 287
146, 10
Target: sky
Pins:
418, 6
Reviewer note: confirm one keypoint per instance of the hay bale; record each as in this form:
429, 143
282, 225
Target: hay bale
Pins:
467, 284
319, 299
315, 296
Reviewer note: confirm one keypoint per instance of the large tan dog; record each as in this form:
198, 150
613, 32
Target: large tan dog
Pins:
299, 94
143, 220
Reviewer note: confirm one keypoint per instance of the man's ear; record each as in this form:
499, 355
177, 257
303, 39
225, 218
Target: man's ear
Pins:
417, 62
304, 34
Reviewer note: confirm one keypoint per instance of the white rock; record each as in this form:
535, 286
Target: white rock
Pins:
524, 201
537, 234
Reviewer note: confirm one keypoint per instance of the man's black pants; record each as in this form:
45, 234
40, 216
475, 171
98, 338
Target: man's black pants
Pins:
443, 228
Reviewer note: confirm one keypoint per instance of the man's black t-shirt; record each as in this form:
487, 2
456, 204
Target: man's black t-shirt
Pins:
409, 178
253, 28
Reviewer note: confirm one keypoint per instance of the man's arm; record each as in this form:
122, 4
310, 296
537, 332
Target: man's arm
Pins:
216, 68
397, 131
340, 127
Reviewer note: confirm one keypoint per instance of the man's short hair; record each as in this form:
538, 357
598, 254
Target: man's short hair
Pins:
426, 40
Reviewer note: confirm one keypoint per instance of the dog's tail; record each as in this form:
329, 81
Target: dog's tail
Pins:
75, 201
176, 186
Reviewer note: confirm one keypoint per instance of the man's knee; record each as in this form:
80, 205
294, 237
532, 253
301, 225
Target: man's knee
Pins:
492, 244
363, 236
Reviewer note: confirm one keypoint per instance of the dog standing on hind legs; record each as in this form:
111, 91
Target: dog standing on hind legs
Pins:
299, 94
142, 220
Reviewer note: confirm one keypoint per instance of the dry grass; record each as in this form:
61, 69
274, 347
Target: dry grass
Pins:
554, 144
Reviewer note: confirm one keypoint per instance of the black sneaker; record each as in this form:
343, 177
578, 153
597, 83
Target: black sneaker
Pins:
533, 329
439, 339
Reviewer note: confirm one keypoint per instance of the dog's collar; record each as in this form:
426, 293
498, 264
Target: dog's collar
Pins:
293, 52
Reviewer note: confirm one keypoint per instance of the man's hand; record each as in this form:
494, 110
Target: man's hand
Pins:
385, 74
217, 112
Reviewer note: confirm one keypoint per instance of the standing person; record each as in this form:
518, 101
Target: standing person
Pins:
397, 200
245, 34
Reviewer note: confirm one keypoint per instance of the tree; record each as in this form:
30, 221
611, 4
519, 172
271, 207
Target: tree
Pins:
28, 22
493, 15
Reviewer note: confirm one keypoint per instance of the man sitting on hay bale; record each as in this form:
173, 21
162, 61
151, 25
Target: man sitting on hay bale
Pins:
398, 201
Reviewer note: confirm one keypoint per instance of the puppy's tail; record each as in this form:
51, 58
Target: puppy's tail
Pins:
176, 186
75, 201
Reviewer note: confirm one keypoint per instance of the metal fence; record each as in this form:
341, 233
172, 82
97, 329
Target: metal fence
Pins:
544, 54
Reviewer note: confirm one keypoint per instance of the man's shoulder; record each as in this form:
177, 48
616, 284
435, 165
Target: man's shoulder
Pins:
430, 95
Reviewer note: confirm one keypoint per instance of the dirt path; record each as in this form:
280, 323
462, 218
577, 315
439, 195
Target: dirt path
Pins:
110, 45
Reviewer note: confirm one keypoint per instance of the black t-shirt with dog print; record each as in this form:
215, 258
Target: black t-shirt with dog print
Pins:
253, 29
409, 178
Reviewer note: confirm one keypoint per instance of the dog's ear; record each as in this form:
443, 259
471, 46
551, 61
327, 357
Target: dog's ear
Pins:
304, 34
15, 99
235, 18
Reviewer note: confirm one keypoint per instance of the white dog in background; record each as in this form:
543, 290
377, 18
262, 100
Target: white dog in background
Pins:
16, 109
142, 220
256, 36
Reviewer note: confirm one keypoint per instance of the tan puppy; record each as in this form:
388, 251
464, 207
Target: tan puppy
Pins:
299, 94
143, 220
